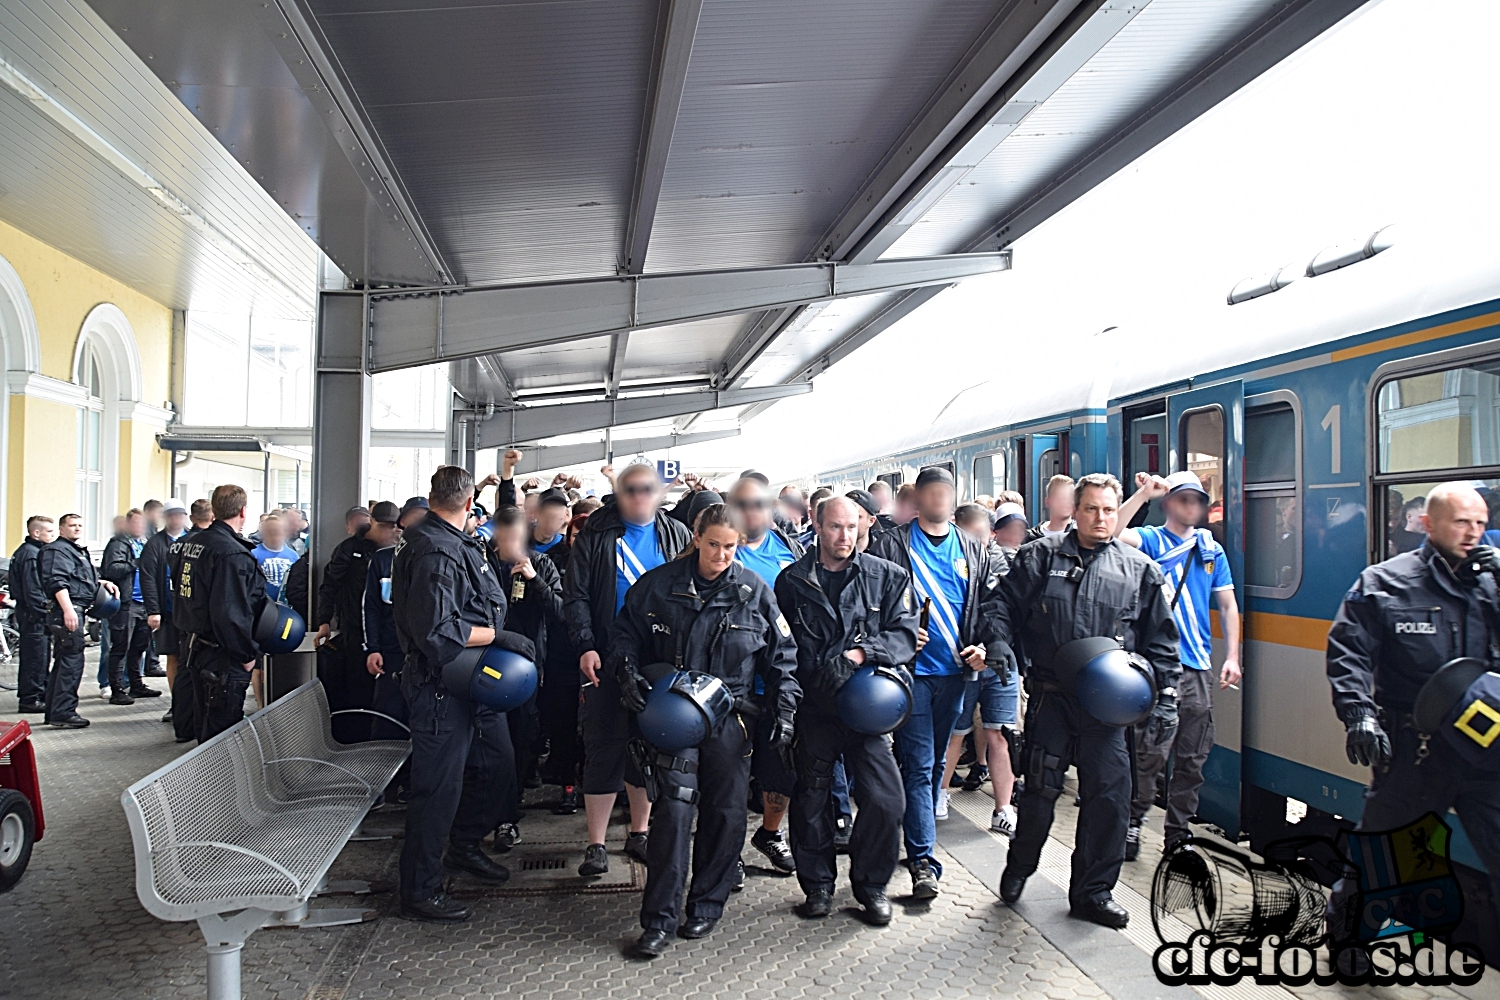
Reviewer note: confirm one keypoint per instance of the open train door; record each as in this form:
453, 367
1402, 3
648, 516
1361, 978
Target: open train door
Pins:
1206, 435
1045, 462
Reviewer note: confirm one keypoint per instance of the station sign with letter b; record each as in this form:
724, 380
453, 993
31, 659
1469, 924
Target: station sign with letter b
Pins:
668, 469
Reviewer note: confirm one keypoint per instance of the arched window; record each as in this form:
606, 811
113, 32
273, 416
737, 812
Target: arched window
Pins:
89, 464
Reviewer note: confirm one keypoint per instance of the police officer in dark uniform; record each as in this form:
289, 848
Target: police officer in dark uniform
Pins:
445, 598
184, 693
1404, 619
218, 591
70, 581
703, 612
341, 662
1077, 585
25, 582
847, 609
618, 543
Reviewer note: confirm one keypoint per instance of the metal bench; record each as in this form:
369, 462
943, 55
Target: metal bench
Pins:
239, 833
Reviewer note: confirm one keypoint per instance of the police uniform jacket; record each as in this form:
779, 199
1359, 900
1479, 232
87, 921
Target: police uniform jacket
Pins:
982, 596
343, 588
65, 565
1403, 620
442, 587
218, 590
153, 569
589, 588
1052, 598
735, 633
25, 580
118, 563
876, 613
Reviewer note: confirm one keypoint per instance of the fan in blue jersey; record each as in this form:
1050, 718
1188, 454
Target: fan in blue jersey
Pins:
274, 556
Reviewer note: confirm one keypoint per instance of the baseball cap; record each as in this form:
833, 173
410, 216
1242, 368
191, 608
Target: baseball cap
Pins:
934, 474
1179, 481
865, 500
1007, 511
385, 512
356, 510
553, 495
755, 474
173, 504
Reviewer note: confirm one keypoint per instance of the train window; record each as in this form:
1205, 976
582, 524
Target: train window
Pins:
1148, 446
1273, 518
941, 465
989, 475
892, 479
1202, 435
1048, 464
1447, 419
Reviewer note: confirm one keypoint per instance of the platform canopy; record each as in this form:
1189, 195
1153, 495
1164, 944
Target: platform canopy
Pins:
600, 200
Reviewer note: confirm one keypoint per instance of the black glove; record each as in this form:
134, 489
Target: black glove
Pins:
783, 732
834, 672
1365, 742
1162, 726
633, 687
516, 643
1481, 559
999, 658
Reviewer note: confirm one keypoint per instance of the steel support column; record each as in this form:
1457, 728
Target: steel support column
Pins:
341, 421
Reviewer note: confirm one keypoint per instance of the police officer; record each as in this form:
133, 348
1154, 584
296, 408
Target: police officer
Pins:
30, 599
703, 612
445, 598
767, 550
1076, 585
341, 662
954, 578
218, 591
1403, 619
70, 581
156, 586
618, 543
184, 686
847, 609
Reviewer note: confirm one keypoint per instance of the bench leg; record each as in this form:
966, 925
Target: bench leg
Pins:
304, 916
225, 938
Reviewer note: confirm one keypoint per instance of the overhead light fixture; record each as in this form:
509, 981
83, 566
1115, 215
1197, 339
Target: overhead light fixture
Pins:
1345, 254
80, 130
1263, 284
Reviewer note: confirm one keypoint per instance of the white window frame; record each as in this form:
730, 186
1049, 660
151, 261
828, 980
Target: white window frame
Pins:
1283, 488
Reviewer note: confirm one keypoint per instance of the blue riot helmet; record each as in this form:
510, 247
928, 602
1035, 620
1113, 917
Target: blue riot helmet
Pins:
1461, 702
874, 700
682, 709
491, 676
1113, 686
279, 629
105, 604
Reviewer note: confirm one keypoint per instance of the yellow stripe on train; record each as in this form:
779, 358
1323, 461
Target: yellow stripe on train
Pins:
1284, 630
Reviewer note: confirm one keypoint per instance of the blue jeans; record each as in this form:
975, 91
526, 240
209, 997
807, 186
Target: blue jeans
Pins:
921, 745
841, 806
103, 654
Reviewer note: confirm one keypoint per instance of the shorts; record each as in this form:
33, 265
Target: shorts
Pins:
607, 729
767, 767
999, 704
168, 639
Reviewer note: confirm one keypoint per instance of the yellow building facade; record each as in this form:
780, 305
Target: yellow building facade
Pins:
88, 370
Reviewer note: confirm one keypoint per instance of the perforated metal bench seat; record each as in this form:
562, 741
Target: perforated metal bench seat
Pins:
251, 821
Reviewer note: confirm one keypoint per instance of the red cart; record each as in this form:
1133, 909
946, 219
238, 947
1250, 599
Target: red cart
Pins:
21, 822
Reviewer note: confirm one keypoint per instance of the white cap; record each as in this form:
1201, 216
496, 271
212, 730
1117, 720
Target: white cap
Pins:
1006, 511
172, 504
1179, 481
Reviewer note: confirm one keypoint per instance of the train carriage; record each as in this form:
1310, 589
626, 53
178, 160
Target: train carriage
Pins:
1318, 432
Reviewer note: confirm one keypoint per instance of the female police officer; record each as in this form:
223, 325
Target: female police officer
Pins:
703, 612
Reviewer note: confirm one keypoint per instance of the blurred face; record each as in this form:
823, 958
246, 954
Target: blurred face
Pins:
120, 524
273, 533
752, 501
1097, 514
176, 522
1060, 503
635, 495
71, 528
716, 545
355, 521
412, 516
1456, 522
935, 503
881, 491
530, 505
977, 528
838, 532
905, 510
510, 542
550, 519
136, 525
1185, 507
1011, 534
384, 533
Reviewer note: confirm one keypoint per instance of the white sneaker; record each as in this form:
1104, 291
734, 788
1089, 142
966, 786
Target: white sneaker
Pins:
104, 691
940, 811
1003, 821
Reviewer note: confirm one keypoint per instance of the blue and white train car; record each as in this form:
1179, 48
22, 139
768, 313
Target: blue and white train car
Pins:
1318, 416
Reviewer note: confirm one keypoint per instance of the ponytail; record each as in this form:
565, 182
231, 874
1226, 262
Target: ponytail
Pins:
714, 515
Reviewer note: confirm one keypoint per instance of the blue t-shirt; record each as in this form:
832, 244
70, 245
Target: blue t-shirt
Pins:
940, 572
137, 545
767, 559
635, 552
1206, 575
275, 564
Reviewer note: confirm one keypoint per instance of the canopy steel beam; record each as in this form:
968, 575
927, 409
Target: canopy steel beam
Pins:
926, 162
743, 352
903, 306
423, 326
674, 46
538, 422
1292, 26
561, 456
